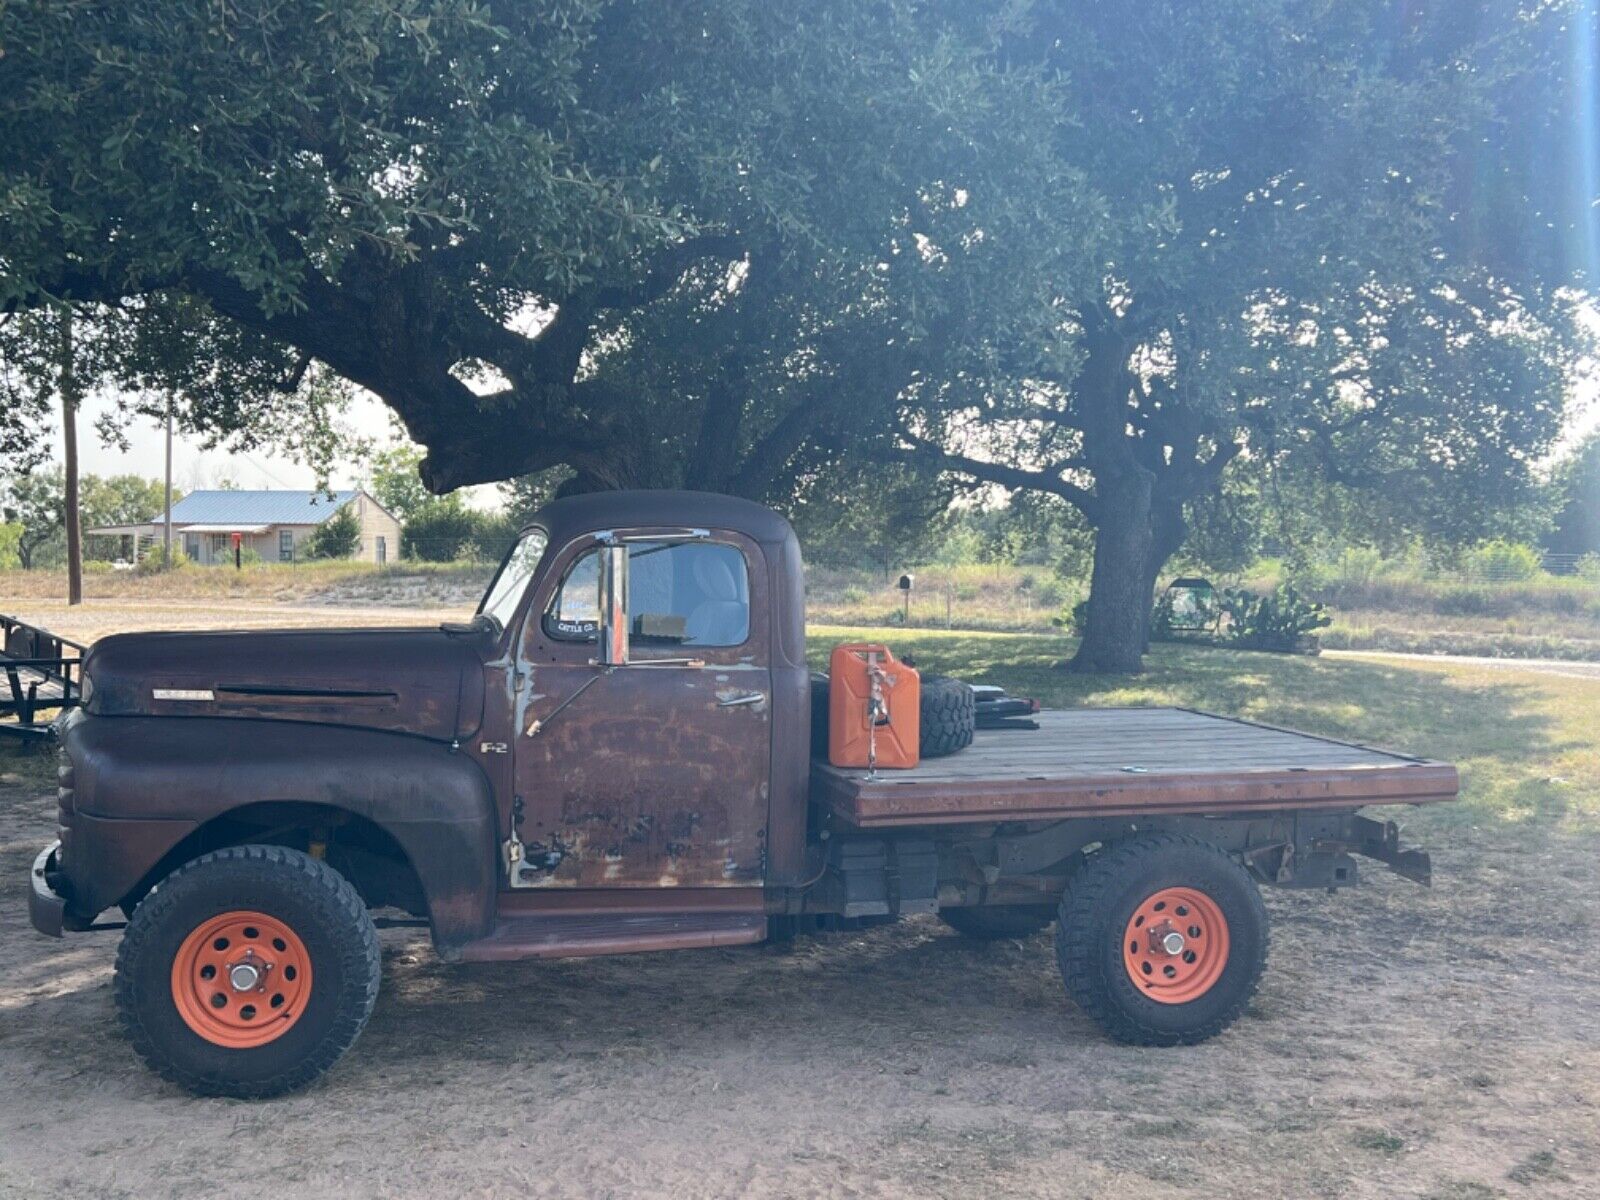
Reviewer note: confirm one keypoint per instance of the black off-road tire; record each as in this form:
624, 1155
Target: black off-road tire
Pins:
994, 922
1103, 897
322, 909
949, 716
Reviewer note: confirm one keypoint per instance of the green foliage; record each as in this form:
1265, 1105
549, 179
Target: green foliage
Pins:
1576, 493
493, 535
861, 514
395, 483
337, 537
525, 494
1318, 248
1074, 619
1502, 562
443, 531
155, 560
1281, 621
10, 534
1588, 568
36, 502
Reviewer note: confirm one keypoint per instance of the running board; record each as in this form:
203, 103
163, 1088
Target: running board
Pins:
567, 935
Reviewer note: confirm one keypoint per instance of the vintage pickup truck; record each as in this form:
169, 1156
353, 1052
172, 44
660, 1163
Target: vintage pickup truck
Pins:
615, 755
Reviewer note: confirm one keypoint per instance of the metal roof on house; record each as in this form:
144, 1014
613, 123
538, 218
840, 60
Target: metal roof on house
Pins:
239, 509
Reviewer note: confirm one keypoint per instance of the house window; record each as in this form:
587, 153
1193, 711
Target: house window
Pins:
191, 547
219, 544
383, 550
285, 545
679, 594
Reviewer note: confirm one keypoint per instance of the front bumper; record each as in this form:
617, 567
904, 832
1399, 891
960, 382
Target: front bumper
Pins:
47, 908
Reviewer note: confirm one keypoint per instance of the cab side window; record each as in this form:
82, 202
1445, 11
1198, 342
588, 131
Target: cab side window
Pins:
679, 594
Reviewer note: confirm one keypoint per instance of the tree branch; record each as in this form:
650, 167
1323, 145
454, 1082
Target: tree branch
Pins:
1080, 498
665, 270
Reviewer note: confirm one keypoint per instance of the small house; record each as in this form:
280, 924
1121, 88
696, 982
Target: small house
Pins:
274, 524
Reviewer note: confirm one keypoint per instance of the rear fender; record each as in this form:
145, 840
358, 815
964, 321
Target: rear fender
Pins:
140, 785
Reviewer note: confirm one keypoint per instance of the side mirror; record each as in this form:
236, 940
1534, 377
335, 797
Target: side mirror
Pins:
614, 605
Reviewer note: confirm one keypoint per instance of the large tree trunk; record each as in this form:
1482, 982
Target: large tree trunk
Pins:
1119, 588
1167, 531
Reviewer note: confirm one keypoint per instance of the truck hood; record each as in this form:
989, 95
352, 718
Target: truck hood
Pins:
417, 681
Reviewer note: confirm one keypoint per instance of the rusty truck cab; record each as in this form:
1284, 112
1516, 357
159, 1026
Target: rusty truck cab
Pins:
647, 719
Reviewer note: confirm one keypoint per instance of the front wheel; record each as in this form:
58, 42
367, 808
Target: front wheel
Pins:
1162, 940
247, 972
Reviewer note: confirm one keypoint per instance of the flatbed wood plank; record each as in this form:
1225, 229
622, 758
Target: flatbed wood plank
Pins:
1105, 762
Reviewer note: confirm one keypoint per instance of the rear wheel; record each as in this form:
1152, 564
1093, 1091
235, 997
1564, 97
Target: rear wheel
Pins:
247, 972
1162, 940
994, 922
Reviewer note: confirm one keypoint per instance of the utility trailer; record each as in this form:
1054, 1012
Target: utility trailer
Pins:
41, 678
615, 755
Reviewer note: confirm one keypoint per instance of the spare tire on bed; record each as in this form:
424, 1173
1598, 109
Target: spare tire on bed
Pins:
947, 720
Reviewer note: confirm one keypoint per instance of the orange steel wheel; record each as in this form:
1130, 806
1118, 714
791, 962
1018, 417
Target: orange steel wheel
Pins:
1176, 945
241, 979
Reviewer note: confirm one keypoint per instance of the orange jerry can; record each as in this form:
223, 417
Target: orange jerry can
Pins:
874, 708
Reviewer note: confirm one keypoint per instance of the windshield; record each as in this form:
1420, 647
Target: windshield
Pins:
500, 601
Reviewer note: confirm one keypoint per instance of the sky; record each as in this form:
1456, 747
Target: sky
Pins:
194, 468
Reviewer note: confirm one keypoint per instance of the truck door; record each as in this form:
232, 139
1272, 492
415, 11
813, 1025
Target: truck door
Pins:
652, 774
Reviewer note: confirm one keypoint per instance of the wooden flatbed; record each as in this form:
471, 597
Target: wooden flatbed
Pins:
1121, 762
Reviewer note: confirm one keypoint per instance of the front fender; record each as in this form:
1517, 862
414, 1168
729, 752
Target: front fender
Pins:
158, 778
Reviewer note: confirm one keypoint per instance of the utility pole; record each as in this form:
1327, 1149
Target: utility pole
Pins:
69, 432
166, 536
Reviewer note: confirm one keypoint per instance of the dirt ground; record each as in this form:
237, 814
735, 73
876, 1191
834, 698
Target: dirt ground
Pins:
1439, 1043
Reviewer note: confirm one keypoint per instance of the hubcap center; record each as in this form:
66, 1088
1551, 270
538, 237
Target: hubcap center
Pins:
1164, 939
245, 976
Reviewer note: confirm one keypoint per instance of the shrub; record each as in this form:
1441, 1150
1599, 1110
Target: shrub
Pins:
1588, 568
1502, 561
1464, 600
493, 537
1359, 565
1050, 594
337, 537
10, 535
441, 531
1280, 621
154, 560
1074, 620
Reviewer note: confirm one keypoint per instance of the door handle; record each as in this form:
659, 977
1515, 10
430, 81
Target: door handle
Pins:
742, 699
